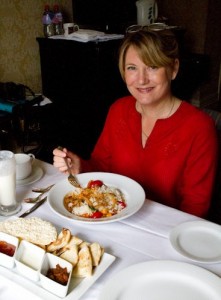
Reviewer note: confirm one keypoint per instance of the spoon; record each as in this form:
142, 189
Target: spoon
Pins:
42, 191
34, 199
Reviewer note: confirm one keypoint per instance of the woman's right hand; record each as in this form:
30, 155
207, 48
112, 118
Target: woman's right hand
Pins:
73, 161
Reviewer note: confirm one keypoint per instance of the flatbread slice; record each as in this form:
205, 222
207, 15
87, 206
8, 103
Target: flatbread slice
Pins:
61, 241
84, 265
83, 244
96, 253
74, 241
71, 254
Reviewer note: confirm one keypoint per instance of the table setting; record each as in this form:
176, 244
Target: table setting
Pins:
146, 245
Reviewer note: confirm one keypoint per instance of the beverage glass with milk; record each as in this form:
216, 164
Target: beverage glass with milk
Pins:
9, 205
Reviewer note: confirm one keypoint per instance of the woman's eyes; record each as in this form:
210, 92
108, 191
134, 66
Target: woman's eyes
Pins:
148, 68
131, 68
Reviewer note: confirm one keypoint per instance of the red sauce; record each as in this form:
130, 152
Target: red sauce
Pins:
7, 248
58, 274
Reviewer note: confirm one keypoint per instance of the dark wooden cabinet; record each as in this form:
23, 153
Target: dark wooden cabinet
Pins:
82, 80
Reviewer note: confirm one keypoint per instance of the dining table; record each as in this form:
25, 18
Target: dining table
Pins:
142, 237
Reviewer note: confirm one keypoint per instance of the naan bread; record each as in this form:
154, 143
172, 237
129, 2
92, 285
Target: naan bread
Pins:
34, 230
64, 241
61, 241
84, 265
83, 244
96, 253
71, 254
75, 240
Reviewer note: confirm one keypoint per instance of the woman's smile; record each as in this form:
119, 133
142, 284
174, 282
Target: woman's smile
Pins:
145, 90
147, 84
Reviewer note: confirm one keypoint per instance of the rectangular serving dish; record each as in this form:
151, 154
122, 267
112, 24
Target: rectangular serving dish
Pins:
78, 286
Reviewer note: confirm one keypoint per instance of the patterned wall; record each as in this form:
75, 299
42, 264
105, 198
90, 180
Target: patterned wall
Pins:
20, 24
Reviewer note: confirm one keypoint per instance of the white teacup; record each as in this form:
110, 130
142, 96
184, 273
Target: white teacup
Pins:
24, 164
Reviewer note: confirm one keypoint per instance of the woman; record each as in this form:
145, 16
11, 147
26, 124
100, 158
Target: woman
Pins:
162, 142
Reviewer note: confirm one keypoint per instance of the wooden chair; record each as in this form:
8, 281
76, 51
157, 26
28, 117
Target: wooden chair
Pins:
216, 115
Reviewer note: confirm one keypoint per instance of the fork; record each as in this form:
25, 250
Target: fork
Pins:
71, 178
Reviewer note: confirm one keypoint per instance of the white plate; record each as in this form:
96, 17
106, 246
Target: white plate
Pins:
198, 240
133, 193
36, 174
163, 280
78, 286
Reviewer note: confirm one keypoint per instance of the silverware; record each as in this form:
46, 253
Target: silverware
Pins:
71, 178
34, 207
42, 191
34, 199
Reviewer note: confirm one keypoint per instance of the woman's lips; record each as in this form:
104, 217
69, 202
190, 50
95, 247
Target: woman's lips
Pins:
145, 90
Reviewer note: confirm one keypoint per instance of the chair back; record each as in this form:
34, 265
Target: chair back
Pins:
215, 209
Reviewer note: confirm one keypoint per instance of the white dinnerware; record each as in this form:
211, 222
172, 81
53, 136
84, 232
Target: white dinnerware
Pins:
24, 164
36, 174
132, 191
28, 260
7, 244
77, 286
198, 240
143, 237
162, 280
50, 262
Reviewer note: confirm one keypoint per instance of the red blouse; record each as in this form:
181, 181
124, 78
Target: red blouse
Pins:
178, 163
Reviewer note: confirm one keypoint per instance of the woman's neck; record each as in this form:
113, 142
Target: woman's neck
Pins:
162, 110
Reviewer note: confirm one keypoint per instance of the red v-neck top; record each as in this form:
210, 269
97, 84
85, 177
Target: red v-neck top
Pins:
178, 163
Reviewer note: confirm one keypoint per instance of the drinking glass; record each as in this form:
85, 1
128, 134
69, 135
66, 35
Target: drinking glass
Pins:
9, 205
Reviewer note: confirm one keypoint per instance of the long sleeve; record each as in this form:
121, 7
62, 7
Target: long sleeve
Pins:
178, 164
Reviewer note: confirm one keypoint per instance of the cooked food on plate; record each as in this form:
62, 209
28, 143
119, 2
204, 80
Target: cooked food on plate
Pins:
97, 200
83, 256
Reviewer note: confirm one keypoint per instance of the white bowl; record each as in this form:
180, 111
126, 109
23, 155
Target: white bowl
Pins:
28, 259
7, 260
50, 261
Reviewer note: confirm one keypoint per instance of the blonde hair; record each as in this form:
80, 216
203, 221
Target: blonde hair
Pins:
155, 48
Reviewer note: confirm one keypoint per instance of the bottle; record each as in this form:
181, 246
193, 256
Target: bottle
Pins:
57, 20
48, 27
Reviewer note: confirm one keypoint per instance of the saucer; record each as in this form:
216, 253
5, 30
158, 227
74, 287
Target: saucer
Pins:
36, 174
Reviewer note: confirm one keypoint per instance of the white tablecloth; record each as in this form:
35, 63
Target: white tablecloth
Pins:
139, 238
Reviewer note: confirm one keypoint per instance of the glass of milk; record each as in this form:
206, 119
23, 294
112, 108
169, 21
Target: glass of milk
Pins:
8, 203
